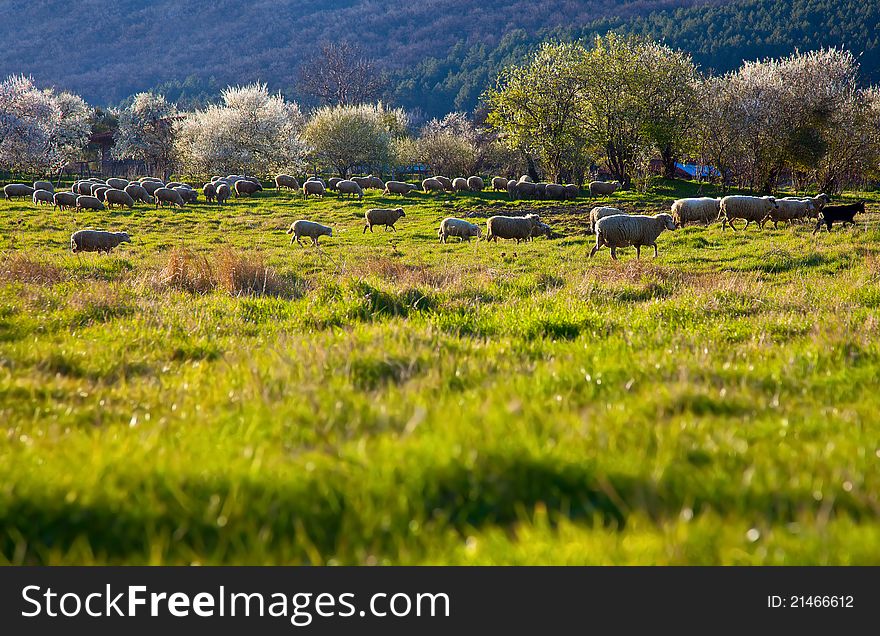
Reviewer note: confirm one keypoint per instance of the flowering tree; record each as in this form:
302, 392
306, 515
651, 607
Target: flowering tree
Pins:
449, 145
251, 131
39, 129
347, 137
147, 132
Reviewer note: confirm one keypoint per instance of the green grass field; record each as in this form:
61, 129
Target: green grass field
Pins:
211, 394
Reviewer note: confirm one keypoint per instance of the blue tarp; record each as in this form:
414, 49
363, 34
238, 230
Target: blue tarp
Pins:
692, 169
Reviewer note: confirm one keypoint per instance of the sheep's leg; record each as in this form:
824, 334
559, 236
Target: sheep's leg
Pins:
365, 228
594, 250
614, 253
655, 249
638, 252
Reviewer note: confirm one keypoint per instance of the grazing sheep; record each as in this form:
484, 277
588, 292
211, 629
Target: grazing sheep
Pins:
840, 214
308, 228
152, 186
153, 179
348, 186
555, 191
222, 193
363, 182
541, 229
789, 210
332, 182
244, 187
286, 181
315, 187
64, 200
138, 193
458, 227
446, 182
99, 192
88, 202
819, 201
432, 184
522, 189
572, 191
475, 184
382, 216
460, 184
44, 185
622, 230
751, 209
119, 184
17, 190
695, 210
376, 183
518, 228
525, 179
83, 187
540, 190
176, 184
398, 187
499, 184
601, 212
210, 192
118, 197
598, 188
168, 195
188, 194
96, 240
42, 197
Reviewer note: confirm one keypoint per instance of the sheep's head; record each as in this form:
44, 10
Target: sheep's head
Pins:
400, 212
73, 247
327, 231
290, 229
668, 221
123, 237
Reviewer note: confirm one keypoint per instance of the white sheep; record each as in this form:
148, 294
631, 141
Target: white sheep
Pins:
572, 191
541, 229
790, 210
499, 183
555, 191
601, 212
308, 228
44, 185
116, 182
118, 197
446, 182
17, 190
43, 197
518, 228
460, 184
222, 192
695, 210
525, 179
598, 188
96, 240
88, 202
382, 216
623, 230
286, 181
751, 209
457, 227
64, 200
315, 187
168, 195
475, 184
349, 186
398, 187
432, 184
138, 193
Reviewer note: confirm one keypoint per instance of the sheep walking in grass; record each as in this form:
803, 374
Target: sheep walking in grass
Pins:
517, 228
286, 181
168, 195
96, 240
695, 210
789, 211
622, 230
750, 209
382, 216
600, 188
118, 197
458, 227
310, 229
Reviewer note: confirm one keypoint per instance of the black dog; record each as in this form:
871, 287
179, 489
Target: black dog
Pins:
839, 213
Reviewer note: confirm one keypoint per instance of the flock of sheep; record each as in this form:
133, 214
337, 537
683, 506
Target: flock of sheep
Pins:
613, 227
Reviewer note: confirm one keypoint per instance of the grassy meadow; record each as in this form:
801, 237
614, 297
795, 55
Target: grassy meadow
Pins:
212, 394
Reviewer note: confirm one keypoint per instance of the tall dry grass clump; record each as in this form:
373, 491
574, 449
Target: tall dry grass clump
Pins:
17, 267
236, 273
